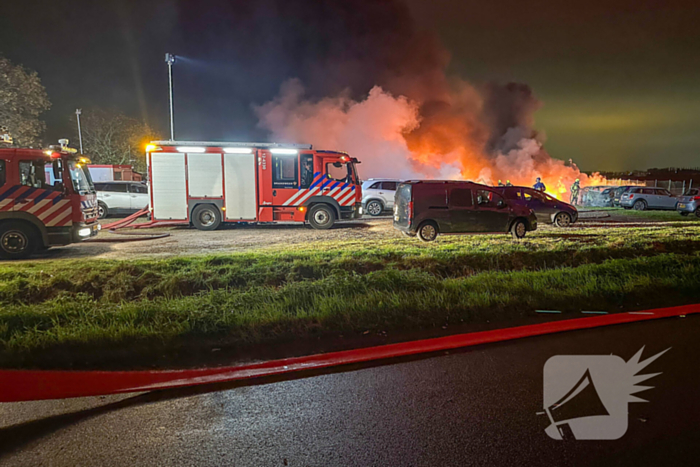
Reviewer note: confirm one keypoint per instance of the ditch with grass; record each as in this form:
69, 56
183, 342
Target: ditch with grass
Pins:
323, 290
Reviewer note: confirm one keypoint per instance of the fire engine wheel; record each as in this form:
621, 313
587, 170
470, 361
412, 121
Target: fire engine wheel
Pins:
321, 217
102, 210
562, 219
17, 240
518, 230
374, 208
206, 217
428, 231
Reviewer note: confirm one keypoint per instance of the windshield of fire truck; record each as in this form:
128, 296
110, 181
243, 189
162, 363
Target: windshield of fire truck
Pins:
80, 176
342, 172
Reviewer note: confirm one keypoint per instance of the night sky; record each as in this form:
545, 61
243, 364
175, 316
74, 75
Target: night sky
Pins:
619, 79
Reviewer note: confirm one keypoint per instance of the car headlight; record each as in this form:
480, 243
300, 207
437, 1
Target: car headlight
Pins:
84, 232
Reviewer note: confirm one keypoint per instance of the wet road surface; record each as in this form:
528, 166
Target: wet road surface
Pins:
476, 407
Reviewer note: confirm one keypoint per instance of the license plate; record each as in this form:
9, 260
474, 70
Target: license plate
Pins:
681, 205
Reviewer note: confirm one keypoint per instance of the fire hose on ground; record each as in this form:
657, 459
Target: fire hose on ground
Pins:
114, 227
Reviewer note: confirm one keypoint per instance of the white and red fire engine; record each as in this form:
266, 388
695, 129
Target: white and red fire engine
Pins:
205, 184
34, 213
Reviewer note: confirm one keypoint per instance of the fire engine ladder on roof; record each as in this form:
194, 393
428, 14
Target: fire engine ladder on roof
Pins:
232, 145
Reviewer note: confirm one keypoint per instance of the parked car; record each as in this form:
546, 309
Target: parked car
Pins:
120, 197
619, 191
689, 202
597, 196
378, 195
641, 198
547, 208
427, 208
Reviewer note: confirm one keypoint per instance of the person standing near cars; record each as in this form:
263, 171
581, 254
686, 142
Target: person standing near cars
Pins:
575, 188
539, 186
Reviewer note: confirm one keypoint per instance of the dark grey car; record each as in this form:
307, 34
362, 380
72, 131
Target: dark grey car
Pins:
547, 208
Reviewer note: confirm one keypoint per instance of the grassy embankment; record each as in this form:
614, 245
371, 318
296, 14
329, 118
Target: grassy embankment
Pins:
343, 287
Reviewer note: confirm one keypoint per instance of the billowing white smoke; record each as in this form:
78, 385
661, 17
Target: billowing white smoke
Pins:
396, 137
371, 130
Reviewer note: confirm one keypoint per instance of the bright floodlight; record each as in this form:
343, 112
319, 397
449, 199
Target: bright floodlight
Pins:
169, 59
238, 150
283, 151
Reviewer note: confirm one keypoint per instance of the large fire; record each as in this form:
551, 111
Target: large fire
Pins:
418, 122
397, 137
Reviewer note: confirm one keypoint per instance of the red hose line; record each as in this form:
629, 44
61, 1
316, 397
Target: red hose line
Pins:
26, 385
126, 221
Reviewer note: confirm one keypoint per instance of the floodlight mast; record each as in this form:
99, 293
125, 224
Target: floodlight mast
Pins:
80, 134
170, 59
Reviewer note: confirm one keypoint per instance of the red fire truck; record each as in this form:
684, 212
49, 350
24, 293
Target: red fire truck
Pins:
205, 184
35, 214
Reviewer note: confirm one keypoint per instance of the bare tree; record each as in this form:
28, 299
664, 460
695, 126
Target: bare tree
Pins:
113, 138
22, 100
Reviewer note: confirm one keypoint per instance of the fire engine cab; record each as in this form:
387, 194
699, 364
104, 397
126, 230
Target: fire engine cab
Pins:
205, 184
36, 214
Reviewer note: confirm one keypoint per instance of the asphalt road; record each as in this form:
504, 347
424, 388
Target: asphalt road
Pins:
475, 407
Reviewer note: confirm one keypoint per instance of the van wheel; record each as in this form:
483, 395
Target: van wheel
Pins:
374, 208
102, 210
206, 217
518, 229
428, 231
697, 213
321, 217
562, 219
640, 205
17, 240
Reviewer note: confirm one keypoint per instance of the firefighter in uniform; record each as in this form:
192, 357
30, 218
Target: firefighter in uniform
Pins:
539, 186
508, 183
500, 183
575, 188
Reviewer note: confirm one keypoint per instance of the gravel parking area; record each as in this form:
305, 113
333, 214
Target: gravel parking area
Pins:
241, 238
230, 239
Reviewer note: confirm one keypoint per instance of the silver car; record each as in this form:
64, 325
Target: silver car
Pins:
120, 197
378, 195
689, 203
642, 198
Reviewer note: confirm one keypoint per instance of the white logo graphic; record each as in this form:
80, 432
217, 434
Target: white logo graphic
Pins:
586, 396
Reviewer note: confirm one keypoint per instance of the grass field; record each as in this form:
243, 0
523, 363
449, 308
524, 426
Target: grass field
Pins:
661, 216
342, 287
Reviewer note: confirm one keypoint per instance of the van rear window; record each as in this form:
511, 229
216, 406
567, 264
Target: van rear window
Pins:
403, 193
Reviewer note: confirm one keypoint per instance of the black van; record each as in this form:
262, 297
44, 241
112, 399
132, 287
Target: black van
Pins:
430, 207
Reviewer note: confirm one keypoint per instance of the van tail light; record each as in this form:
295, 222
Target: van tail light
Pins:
410, 210
696, 198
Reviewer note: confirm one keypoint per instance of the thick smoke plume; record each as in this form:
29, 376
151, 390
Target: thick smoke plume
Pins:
415, 121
